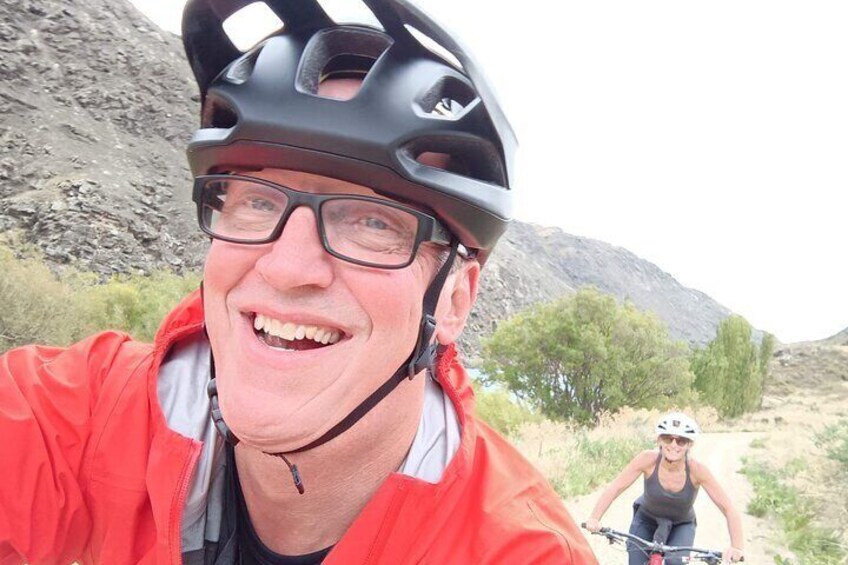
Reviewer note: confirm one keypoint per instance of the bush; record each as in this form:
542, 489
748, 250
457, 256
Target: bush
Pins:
771, 496
35, 307
813, 545
499, 410
38, 307
135, 304
834, 439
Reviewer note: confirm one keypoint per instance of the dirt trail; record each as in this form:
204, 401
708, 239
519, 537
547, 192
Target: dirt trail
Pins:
722, 453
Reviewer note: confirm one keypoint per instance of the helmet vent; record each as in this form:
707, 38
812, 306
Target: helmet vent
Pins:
447, 99
350, 12
240, 70
473, 158
251, 24
340, 53
434, 46
217, 114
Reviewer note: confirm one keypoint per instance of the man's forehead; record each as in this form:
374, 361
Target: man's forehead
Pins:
310, 182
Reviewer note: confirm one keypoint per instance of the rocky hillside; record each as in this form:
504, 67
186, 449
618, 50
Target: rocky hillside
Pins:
810, 366
96, 106
534, 263
839, 339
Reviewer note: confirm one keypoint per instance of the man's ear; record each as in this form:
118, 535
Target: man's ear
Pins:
456, 300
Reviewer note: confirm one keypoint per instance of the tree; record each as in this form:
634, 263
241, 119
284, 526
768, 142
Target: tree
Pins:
581, 355
766, 351
731, 371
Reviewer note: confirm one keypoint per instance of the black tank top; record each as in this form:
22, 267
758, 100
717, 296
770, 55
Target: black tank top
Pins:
660, 503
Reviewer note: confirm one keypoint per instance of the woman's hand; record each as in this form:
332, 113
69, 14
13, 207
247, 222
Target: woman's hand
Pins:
732, 555
592, 525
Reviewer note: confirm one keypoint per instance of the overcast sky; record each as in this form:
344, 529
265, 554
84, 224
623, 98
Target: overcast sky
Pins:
710, 138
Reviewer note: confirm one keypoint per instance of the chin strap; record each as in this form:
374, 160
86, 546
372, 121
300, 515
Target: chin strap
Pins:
423, 357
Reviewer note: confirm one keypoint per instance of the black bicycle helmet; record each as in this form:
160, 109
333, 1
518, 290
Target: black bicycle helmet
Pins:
261, 108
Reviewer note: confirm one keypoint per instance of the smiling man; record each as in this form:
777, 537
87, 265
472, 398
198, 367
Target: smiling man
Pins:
308, 404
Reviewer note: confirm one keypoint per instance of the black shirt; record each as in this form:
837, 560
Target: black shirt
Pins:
238, 542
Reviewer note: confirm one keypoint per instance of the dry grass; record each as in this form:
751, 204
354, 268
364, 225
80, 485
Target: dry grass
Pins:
792, 424
577, 460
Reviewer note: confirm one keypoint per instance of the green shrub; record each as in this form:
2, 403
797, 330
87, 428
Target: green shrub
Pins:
771, 496
135, 304
35, 307
499, 410
796, 514
834, 439
38, 307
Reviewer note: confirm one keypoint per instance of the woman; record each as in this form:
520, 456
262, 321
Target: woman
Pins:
672, 479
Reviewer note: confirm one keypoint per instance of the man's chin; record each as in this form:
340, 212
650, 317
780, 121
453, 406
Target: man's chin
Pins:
277, 427
274, 438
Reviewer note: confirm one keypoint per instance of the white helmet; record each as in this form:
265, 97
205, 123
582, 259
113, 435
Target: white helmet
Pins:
678, 424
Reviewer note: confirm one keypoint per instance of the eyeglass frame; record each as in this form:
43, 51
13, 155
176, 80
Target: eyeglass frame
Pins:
430, 229
680, 441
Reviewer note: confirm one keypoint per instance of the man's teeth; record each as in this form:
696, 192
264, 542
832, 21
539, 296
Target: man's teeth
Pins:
290, 331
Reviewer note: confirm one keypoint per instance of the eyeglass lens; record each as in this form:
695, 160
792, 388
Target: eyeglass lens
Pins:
362, 229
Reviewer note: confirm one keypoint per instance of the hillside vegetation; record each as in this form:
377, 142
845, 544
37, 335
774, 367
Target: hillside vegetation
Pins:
578, 357
40, 308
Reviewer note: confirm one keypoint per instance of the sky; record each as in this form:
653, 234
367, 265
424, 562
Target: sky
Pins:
710, 138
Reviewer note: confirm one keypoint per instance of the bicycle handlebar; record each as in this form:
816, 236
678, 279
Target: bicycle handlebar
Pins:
615, 535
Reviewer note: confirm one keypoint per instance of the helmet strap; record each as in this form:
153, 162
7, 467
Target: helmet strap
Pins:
423, 357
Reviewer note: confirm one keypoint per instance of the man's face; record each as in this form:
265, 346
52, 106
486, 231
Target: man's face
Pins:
356, 325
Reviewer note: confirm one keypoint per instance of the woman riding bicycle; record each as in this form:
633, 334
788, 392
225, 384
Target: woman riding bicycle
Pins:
672, 479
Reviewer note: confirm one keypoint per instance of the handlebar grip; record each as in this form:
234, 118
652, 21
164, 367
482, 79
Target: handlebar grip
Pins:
603, 530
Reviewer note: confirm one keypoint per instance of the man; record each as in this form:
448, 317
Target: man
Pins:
353, 183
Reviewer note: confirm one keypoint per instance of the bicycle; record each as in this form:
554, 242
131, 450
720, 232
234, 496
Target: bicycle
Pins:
656, 551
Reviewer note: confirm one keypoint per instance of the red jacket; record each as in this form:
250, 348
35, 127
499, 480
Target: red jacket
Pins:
89, 471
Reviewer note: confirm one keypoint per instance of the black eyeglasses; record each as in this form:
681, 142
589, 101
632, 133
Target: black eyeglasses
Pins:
681, 441
364, 230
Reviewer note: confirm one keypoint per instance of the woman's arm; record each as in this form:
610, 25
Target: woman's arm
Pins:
624, 479
703, 476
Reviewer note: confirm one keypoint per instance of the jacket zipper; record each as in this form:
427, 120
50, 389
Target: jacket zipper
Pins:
179, 504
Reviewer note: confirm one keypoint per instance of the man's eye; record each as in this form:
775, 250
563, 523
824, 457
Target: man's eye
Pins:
375, 223
261, 205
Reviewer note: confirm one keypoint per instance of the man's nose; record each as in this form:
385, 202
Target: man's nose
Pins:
297, 257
